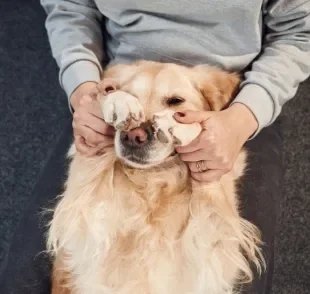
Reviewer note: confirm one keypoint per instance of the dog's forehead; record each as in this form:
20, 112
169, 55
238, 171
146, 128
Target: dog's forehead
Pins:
160, 81
142, 84
172, 80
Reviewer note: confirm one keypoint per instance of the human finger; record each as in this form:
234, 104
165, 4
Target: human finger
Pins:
82, 147
97, 124
208, 176
191, 116
90, 105
92, 138
195, 156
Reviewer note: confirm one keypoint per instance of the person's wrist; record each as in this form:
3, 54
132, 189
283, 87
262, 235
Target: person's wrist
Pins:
83, 89
243, 119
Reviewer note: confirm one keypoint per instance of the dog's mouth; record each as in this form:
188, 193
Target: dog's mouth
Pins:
143, 152
150, 144
145, 160
133, 161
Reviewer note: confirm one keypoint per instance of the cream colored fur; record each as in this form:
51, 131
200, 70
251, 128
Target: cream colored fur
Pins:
121, 230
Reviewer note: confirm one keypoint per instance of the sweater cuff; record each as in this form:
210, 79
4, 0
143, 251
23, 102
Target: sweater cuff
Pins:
258, 100
77, 73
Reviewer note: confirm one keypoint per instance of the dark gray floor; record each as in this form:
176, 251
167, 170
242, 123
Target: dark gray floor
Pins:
33, 110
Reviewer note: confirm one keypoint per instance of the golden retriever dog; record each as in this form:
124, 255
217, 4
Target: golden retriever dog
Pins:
131, 220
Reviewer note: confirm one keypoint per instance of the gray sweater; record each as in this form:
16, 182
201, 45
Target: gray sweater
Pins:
269, 41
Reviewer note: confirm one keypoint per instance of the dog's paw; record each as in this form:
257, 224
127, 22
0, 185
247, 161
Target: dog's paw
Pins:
122, 110
167, 129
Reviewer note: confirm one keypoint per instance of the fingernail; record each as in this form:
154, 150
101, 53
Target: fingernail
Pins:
109, 89
180, 114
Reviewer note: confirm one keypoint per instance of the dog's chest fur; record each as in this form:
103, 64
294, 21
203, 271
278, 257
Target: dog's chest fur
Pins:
132, 233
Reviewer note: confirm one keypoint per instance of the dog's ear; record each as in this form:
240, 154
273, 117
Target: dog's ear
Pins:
218, 87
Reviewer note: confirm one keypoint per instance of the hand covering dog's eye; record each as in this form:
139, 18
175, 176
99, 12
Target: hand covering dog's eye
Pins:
172, 101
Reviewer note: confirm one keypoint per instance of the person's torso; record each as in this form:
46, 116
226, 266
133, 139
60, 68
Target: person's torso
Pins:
220, 32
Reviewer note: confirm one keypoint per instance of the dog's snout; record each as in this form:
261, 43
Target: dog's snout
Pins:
137, 137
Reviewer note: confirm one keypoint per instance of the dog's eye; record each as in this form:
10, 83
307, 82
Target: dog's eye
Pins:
174, 101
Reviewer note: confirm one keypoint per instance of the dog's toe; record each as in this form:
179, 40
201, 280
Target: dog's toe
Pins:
122, 110
167, 129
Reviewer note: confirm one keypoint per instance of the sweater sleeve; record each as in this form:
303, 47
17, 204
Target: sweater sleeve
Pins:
284, 62
75, 36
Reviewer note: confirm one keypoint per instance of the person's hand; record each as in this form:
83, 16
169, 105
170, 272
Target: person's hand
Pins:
91, 133
214, 152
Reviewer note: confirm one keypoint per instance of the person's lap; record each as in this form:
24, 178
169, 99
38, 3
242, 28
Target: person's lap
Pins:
27, 269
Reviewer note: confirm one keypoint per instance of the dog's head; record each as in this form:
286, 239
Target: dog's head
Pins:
161, 86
